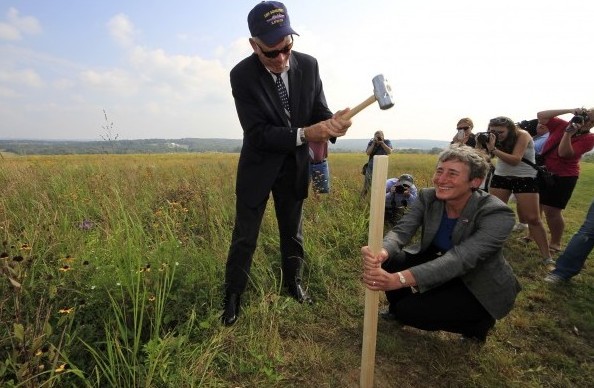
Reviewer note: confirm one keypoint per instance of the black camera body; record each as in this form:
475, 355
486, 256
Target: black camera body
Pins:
399, 189
529, 126
482, 138
580, 119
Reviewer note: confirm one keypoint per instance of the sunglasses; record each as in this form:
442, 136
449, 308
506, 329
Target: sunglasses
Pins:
463, 128
499, 121
496, 132
275, 53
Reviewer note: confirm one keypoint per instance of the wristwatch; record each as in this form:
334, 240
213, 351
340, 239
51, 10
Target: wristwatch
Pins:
402, 278
302, 136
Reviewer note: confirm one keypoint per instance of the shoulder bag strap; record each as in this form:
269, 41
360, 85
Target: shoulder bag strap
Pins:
534, 166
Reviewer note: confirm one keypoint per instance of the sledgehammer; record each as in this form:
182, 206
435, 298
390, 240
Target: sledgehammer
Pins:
382, 93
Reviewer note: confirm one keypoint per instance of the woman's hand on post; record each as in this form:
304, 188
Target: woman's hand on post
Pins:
374, 277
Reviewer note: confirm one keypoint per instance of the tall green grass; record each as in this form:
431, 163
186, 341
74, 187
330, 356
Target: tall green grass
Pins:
113, 267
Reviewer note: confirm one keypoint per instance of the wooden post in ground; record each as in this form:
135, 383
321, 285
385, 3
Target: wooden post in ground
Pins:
376, 234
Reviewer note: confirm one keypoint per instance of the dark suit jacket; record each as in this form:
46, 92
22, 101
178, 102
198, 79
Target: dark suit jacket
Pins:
268, 139
477, 253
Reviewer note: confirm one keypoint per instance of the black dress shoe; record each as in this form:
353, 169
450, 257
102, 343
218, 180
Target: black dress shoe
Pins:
300, 294
479, 332
231, 312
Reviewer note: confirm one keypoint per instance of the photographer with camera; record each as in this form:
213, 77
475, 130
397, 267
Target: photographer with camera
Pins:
401, 192
568, 141
510, 145
379, 145
540, 134
464, 134
481, 139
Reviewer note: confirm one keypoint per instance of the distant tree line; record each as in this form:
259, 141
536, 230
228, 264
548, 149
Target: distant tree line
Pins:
160, 146
148, 146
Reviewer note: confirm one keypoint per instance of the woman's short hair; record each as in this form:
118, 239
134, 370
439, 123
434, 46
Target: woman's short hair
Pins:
475, 159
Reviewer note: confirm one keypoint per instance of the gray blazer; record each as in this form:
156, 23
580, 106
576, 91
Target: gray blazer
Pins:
477, 253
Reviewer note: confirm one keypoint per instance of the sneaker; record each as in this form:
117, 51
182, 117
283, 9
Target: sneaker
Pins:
519, 227
548, 261
549, 264
554, 279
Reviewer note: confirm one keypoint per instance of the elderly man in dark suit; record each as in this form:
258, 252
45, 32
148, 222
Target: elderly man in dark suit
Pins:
281, 106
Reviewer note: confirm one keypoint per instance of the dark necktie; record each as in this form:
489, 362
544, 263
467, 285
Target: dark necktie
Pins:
282, 93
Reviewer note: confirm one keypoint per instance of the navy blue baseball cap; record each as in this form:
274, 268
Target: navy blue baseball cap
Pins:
269, 21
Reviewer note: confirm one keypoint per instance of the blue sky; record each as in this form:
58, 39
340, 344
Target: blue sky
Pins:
160, 69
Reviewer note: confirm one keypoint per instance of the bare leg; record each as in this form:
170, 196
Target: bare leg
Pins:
556, 224
529, 212
502, 194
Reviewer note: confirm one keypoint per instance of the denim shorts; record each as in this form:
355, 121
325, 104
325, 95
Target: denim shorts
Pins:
515, 184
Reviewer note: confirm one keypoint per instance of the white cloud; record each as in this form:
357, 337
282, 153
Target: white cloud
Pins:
182, 76
122, 30
63, 83
26, 24
7, 92
117, 82
15, 26
8, 32
24, 77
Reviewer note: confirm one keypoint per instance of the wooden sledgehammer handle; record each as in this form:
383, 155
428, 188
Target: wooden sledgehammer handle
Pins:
375, 243
360, 107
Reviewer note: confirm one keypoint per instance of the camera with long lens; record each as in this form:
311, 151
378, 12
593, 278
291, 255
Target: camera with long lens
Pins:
482, 138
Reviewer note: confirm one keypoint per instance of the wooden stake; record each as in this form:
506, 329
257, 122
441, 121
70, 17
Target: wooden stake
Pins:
375, 239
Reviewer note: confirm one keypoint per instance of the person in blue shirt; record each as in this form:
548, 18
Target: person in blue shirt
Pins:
539, 133
540, 138
401, 192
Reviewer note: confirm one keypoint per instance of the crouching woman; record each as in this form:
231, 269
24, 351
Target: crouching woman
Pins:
456, 279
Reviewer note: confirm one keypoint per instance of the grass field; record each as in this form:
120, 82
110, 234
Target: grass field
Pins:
112, 269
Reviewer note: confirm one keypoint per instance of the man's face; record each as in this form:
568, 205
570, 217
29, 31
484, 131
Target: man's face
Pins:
541, 129
274, 58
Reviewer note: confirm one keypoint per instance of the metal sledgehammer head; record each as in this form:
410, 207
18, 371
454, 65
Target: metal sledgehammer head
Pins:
382, 92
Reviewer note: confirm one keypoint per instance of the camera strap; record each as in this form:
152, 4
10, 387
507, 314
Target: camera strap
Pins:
533, 165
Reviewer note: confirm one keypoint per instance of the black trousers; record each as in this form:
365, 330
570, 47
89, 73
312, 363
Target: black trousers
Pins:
248, 220
449, 307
